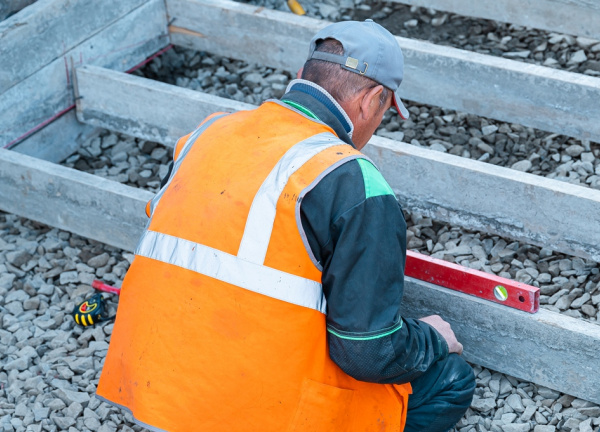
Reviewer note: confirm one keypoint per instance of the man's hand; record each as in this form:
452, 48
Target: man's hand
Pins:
443, 328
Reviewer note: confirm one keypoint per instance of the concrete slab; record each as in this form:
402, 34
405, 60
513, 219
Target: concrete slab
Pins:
461, 191
507, 90
488, 198
128, 104
58, 140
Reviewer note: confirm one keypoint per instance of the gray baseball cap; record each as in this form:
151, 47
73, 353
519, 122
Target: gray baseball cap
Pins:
369, 50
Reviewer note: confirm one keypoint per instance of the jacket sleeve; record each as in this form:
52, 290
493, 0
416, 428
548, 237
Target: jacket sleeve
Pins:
359, 239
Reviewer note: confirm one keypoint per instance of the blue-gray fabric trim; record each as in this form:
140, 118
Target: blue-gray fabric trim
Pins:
123, 407
259, 225
184, 151
232, 270
325, 98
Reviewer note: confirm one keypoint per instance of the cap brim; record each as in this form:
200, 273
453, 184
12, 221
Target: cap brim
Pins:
402, 111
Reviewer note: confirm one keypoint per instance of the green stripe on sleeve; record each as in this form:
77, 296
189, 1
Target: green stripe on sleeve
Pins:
375, 184
356, 337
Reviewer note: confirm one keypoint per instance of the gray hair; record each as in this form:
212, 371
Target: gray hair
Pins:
339, 82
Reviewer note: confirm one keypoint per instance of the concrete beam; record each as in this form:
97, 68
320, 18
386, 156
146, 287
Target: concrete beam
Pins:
48, 91
546, 348
507, 90
127, 103
461, 191
576, 17
82, 203
488, 198
49, 29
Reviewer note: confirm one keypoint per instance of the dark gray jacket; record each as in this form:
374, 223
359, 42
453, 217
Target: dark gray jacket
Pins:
359, 239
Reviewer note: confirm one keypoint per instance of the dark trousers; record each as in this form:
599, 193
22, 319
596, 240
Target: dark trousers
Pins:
440, 396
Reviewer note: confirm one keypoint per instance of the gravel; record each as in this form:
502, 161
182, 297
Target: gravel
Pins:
504, 404
124, 159
50, 366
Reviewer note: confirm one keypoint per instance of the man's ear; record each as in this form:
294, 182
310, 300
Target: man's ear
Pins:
299, 73
369, 104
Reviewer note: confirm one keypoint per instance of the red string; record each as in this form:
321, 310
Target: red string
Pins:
66, 110
38, 127
149, 59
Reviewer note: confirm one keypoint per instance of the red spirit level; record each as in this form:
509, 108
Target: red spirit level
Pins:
474, 282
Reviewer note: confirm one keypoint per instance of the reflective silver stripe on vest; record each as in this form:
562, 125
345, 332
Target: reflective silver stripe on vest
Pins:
306, 190
259, 225
232, 270
184, 151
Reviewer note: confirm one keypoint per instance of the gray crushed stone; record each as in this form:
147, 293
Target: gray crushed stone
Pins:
50, 366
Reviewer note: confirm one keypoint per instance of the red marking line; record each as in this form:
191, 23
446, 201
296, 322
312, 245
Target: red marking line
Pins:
474, 282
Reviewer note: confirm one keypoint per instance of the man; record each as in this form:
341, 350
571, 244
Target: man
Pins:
265, 293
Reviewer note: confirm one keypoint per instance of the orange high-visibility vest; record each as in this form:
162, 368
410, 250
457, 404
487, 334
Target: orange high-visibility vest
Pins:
221, 320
